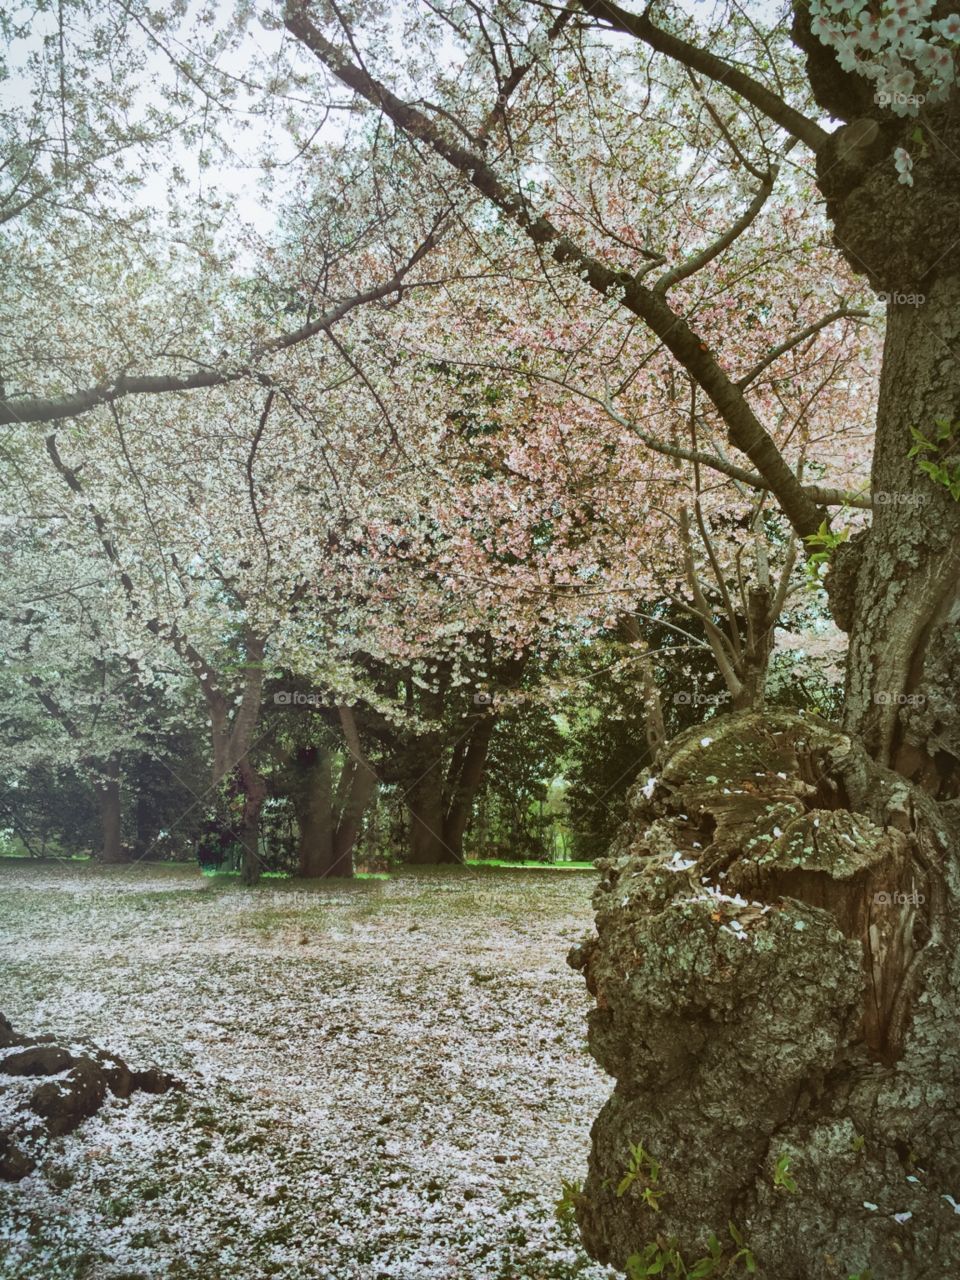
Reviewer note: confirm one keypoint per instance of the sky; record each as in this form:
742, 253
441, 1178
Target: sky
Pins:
236, 183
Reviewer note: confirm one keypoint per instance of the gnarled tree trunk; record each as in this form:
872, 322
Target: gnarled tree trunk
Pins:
775, 961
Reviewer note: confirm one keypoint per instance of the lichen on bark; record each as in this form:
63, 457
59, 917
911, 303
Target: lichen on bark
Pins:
751, 993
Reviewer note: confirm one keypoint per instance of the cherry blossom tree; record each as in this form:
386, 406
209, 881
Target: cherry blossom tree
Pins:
580, 324
638, 152
80, 696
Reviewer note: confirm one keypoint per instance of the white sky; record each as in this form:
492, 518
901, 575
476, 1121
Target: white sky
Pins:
237, 184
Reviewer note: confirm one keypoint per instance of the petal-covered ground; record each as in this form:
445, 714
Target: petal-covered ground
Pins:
386, 1078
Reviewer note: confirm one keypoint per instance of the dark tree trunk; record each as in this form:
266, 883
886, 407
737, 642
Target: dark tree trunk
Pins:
426, 807
110, 807
464, 784
144, 834
313, 800
330, 821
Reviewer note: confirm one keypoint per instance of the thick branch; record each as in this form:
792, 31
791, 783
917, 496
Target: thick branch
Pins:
714, 68
746, 431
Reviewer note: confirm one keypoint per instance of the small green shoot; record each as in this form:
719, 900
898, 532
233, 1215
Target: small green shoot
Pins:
662, 1257
937, 457
642, 1165
827, 541
744, 1253
655, 1259
781, 1174
565, 1209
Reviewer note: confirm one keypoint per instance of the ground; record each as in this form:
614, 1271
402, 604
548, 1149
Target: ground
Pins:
385, 1078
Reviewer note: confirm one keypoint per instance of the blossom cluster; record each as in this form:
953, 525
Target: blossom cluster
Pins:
897, 44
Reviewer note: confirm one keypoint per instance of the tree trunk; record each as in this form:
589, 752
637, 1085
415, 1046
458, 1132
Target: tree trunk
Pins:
425, 803
360, 784
776, 965
463, 786
313, 801
144, 835
109, 803
254, 794
754, 662
901, 579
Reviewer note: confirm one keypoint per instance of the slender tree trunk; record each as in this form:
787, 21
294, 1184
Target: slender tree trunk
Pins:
143, 832
254, 794
754, 663
463, 787
110, 806
359, 793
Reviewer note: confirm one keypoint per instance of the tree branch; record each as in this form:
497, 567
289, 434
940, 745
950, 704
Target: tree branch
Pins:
698, 260
42, 409
746, 431
821, 494
714, 68
775, 353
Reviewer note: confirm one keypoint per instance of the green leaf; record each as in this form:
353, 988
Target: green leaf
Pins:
705, 1267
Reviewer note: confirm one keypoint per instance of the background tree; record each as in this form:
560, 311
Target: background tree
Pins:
746, 101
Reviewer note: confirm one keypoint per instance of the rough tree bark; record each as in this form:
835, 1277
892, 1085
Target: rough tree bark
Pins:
775, 962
